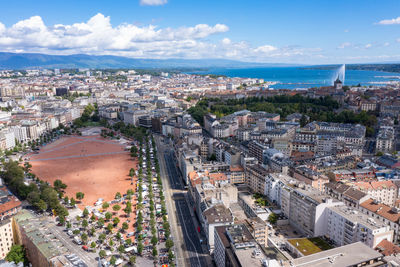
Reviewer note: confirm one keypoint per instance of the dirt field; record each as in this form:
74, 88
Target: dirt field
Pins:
93, 165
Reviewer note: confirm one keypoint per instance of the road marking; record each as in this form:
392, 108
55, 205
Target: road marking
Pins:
191, 241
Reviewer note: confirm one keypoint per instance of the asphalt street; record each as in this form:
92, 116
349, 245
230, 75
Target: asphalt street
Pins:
193, 247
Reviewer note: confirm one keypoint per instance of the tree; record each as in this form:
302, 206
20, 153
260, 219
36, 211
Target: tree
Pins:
41, 205
125, 226
79, 196
66, 200
109, 227
118, 195
102, 254
84, 237
72, 202
379, 154
16, 254
155, 252
273, 218
100, 222
105, 205
121, 249
50, 196
85, 223
113, 260
85, 212
116, 221
108, 216
132, 260
128, 208
116, 207
154, 240
93, 245
169, 243
61, 219
128, 242
140, 248
102, 236
303, 120
58, 184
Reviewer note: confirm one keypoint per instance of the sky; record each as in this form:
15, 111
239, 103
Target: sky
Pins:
296, 31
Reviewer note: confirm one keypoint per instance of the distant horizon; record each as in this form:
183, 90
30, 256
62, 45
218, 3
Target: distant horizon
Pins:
201, 59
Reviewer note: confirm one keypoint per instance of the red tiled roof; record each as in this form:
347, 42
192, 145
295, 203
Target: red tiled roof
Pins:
387, 248
381, 209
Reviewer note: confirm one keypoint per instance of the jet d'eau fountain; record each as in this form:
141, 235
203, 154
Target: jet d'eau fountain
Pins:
340, 74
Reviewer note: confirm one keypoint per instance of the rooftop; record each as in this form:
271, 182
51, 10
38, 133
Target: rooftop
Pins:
308, 246
348, 255
357, 217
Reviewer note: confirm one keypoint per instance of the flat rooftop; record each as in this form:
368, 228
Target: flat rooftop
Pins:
349, 255
308, 246
357, 217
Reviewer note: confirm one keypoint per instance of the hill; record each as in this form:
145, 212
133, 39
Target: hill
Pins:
31, 60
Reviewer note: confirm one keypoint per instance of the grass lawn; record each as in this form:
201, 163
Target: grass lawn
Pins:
308, 246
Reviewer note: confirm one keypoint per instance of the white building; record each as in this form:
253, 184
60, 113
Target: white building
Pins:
347, 225
20, 133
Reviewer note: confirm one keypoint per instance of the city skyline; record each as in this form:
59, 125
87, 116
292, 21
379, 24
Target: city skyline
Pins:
309, 32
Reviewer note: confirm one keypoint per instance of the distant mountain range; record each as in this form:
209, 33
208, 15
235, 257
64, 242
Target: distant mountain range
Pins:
31, 60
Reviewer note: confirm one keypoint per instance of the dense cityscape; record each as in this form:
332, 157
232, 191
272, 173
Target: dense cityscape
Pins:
175, 133
113, 167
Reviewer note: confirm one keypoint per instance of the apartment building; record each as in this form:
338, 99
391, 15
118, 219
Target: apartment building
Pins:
383, 191
257, 150
217, 215
388, 215
349, 195
309, 176
234, 246
255, 177
347, 225
236, 175
258, 229
385, 139
9, 206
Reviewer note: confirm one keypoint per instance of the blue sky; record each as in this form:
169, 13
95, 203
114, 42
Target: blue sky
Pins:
307, 31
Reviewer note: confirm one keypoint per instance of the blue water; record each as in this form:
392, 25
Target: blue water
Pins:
300, 77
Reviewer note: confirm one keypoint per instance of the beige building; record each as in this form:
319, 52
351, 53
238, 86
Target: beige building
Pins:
6, 237
383, 191
258, 229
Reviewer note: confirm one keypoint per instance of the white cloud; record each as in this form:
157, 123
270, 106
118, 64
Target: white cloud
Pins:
344, 45
346, 30
368, 46
389, 21
98, 36
153, 2
386, 44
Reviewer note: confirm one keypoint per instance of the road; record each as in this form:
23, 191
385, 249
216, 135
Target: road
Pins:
176, 232
193, 252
